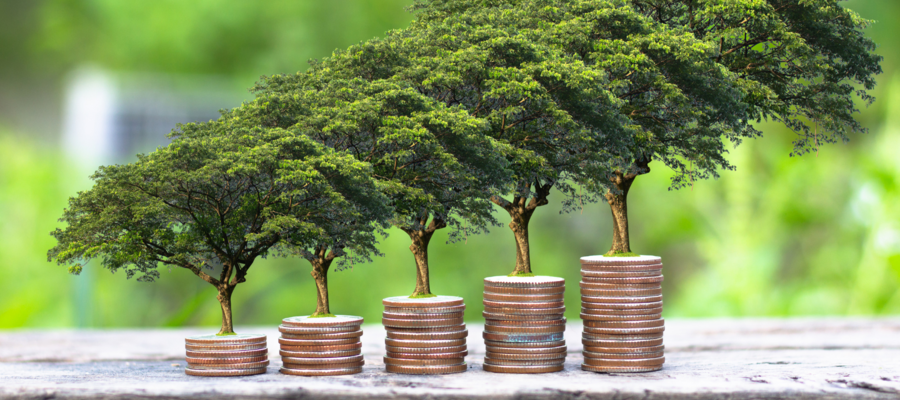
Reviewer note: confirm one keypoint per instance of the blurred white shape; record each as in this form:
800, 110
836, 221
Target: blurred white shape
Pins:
88, 118
887, 240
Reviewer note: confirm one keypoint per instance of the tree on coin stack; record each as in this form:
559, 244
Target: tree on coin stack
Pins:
425, 335
320, 346
212, 202
621, 306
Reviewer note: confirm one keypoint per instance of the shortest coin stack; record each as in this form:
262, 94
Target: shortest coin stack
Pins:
621, 305
233, 355
524, 325
314, 346
425, 335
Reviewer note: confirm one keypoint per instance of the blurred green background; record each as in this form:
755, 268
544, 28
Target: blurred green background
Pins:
781, 236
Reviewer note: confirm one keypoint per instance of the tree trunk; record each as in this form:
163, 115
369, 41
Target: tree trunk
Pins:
419, 248
420, 235
618, 204
320, 265
224, 297
520, 211
520, 217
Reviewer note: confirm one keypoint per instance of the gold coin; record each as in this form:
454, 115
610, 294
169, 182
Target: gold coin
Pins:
421, 323
228, 340
627, 343
419, 316
619, 286
592, 333
317, 342
527, 323
224, 361
428, 302
621, 300
621, 370
236, 347
517, 282
648, 280
620, 268
423, 362
225, 372
518, 329
546, 345
424, 343
524, 311
328, 360
621, 274
644, 362
293, 366
618, 261
526, 350
321, 372
294, 330
624, 324
554, 357
507, 362
523, 298
619, 293
523, 305
338, 347
425, 369
622, 356
426, 356
523, 369
319, 354
425, 350
623, 350
523, 317
427, 329
247, 365
342, 335
427, 335
525, 291
523, 338
307, 321
228, 354
592, 318
427, 310
621, 306
619, 311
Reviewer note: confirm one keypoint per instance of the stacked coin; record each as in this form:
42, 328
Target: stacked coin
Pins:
425, 335
233, 355
524, 324
321, 346
621, 305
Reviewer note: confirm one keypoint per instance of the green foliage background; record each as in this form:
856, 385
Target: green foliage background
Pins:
780, 236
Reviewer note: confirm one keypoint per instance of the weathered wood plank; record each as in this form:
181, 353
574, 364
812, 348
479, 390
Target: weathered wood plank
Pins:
711, 359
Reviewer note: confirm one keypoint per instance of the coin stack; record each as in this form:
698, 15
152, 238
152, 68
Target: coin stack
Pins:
425, 335
321, 346
524, 324
233, 355
621, 305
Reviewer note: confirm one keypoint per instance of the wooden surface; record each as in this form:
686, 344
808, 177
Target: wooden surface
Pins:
709, 359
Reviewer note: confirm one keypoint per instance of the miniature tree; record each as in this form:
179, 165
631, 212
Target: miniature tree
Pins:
438, 166
542, 106
217, 197
791, 61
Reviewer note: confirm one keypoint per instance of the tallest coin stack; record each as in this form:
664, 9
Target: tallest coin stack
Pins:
621, 305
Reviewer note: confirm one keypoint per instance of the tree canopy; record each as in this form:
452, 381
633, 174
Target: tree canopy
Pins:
217, 199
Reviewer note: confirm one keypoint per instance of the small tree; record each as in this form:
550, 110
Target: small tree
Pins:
699, 72
437, 165
216, 198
